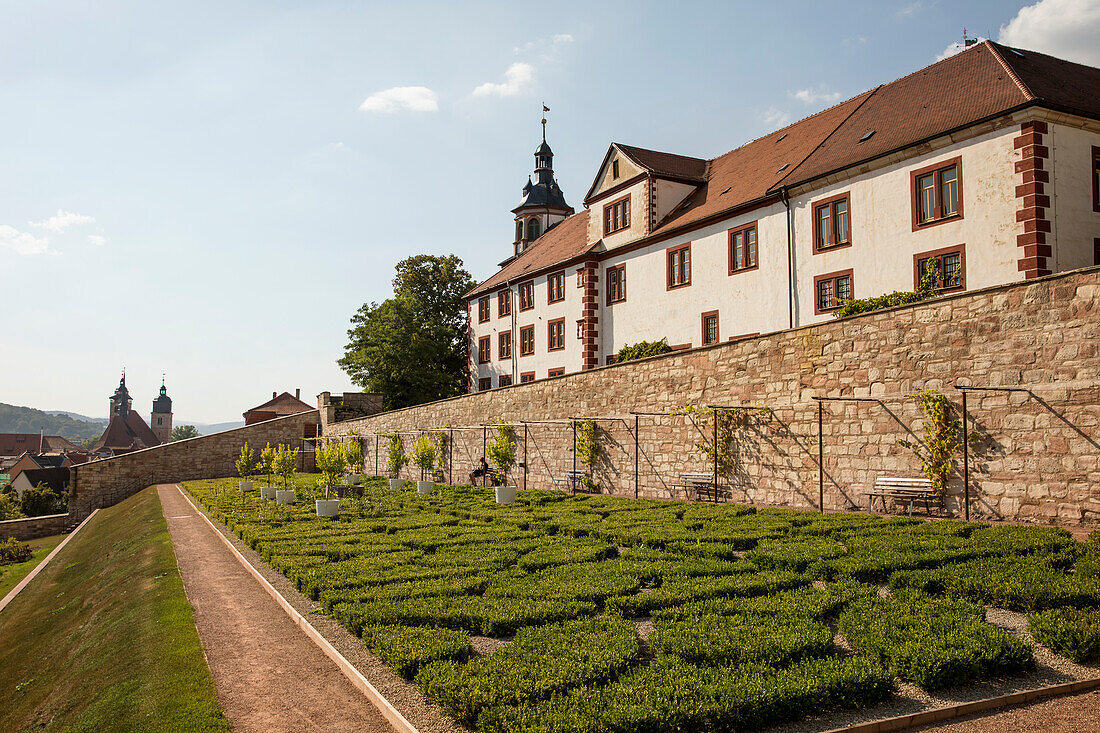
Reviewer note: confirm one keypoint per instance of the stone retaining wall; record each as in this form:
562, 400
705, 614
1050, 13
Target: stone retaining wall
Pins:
105, 483
1039, 459
32, 528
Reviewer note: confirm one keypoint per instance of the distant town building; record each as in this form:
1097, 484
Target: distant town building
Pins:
280, 405
16, 444
985, 165
126, 431
51, 469
161, 418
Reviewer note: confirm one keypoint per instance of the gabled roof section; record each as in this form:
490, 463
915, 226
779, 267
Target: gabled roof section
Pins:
283, 404
1061, 84
749, 172
561, 243
126, 432
669, 165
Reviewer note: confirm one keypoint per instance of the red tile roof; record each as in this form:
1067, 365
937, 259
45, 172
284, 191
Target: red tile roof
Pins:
126, 432
13, 444
558, 245
980, 83
280, 405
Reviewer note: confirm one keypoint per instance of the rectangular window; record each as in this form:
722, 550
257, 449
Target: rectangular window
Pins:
1096, 251
555, 287
504, 380
504, 303
504, 345
937, 195
484, 350
710, 327
560, 371
616, 284
948, 266
611, 359
484, 383
832, 223
580, 277
527, 341
527, 295
483, 309
615, 169
526, 377
616, 215
832, 291
1095, 179
743, 248
679, 266
555, 335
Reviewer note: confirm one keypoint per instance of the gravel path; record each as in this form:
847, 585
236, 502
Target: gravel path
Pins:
1071, 714
408, 700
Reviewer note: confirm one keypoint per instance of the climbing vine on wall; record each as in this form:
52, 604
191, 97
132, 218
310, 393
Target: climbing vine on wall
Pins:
720, 451
588, 445
942, 438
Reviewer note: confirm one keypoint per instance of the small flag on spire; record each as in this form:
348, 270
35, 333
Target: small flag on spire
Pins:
545, 108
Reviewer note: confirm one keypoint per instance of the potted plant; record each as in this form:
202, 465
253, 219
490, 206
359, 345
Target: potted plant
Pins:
331, 459
246, 466
424, 455
354, 453
286, 464
267, 466
501, 452
395, 461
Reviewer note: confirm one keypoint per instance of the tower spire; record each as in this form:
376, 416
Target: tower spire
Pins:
545, 109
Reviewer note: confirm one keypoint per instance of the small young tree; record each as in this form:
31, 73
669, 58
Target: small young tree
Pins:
331, 459
246, 461
286, 463
267, 462
424, 454
395, 459
501, 451
354, 452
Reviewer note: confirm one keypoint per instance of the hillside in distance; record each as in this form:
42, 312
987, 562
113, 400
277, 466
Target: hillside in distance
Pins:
15, 419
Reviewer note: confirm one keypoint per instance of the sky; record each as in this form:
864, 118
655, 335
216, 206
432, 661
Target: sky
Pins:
210, 190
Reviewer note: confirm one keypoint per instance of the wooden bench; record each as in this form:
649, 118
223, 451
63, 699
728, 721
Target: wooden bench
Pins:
571, 478
703, 486
911, 490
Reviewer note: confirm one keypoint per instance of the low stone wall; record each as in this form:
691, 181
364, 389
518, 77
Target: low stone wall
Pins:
105, 483
1038, 460
32, 528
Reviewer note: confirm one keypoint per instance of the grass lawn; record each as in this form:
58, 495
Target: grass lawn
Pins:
12, 573
104, 638
615, 614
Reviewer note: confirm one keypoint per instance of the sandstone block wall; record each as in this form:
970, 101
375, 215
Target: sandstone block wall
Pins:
32, 528
105, 483
1039, 459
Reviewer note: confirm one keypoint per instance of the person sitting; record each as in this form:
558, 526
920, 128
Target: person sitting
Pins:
480, 471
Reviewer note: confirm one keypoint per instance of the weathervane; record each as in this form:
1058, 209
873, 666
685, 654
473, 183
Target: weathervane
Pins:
545, 109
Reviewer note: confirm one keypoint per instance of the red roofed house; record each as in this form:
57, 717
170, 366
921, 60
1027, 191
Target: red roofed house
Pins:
280, 405
16, 444
957, 164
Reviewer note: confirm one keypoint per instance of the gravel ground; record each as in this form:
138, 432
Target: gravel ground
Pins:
408, 700
486, 645
1070, 714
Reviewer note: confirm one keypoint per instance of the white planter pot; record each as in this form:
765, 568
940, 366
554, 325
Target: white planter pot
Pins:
267, 492
425, 487
284, 496
328, 507
396, 484
244, 486
506, 494
355, 478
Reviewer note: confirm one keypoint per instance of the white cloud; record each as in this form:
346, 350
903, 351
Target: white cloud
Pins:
1068, 29
394, 99
23, 243
955, 48
910, 10
815, 96
97, 239
517, 79
563, 38
62, 220
775, 117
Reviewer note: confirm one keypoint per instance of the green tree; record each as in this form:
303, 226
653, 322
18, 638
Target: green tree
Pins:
183, 432
412, 347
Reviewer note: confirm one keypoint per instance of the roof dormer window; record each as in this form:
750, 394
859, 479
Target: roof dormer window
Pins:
615, 169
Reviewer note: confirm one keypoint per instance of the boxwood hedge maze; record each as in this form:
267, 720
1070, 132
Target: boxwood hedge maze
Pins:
635, 615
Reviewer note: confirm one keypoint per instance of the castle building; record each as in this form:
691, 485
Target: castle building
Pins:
985, 165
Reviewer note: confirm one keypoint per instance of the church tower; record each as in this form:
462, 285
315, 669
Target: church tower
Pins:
543, 204
161, 418
120, 400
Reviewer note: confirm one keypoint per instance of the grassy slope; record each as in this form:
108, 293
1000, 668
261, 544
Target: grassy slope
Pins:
10, 575
104, 638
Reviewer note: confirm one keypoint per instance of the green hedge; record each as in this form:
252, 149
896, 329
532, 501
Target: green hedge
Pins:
809, 602
1072, 632
931, 643
672, 695
538, 663
408, 648
477, 615
730, 640
582, 582
677, 591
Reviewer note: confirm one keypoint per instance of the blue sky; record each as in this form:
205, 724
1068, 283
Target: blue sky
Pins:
212, 189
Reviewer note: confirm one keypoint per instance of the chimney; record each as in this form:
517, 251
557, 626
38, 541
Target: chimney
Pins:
274, 395
298, 394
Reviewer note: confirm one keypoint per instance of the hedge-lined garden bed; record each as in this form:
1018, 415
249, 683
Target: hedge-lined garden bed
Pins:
740, 601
